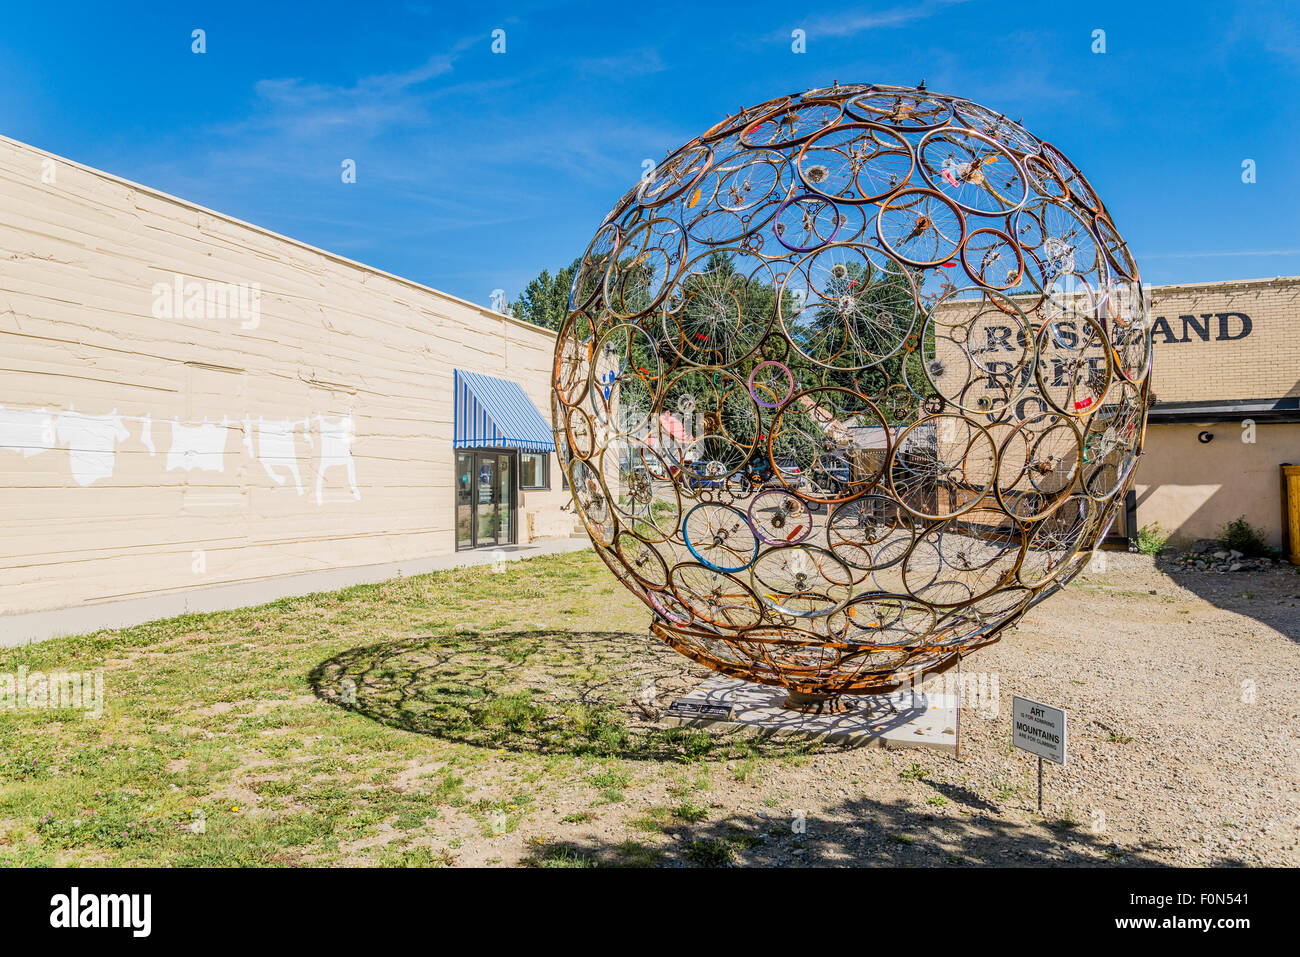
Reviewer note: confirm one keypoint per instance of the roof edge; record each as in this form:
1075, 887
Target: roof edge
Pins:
1227, 283
1284, 409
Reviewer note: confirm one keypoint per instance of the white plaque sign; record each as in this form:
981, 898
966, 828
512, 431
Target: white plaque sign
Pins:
1038, 729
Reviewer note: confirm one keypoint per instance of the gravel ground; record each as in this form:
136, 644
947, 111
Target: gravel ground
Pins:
1183, 693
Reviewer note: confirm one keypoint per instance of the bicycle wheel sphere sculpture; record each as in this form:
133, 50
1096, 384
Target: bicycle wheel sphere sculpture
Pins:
850, 381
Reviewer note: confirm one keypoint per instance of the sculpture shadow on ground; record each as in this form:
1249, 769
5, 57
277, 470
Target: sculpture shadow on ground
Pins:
861, 832
550, 691
1269, 596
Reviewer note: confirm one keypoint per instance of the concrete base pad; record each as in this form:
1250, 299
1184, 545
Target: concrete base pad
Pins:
898, 720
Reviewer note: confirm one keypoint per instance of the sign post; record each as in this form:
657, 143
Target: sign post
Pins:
1040, 730
958, 706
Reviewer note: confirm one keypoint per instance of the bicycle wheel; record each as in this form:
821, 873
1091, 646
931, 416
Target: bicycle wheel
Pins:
882, 620
734, 124
572, 364
847, 306
719, 312
675, 175
977, 351
942, 466
806, 221
1038, 464
592, 502
1054, 541
625, 378
995, 126
771, 383
993, 259
870, 532
648, 261
644, 562
855, 163
906, 111
1069, 246
816, 454
717, 420
715, 597
920, 227
642, 494
791, 126
977, 173
780, 517
720, 537
801, 581
964, 558
1075, 366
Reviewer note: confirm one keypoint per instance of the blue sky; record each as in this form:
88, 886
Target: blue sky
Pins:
475, 170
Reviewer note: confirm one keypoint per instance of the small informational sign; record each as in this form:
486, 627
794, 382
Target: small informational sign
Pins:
682, 708
1038, 729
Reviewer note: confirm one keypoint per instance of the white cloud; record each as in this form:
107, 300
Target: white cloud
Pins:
632, 63
847, 24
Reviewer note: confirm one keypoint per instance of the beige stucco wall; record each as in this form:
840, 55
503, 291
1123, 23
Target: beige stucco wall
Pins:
1193, 489
81, 253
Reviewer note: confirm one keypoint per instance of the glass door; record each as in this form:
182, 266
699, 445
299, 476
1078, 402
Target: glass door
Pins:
506, 498
487, 514
485, 499
464, 499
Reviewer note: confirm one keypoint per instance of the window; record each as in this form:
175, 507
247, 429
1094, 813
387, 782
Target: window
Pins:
534, 470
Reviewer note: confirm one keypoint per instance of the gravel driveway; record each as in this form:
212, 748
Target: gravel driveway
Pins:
1183, 693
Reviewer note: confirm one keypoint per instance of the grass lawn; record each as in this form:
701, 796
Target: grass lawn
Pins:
412, 722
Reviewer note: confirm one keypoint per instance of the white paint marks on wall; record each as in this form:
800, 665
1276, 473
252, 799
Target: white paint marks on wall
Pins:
92, 443
27, 431
336, 437
200, 448
277, 447
146, 435
92, 440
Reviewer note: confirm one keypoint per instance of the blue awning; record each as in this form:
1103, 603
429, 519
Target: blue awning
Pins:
495, 413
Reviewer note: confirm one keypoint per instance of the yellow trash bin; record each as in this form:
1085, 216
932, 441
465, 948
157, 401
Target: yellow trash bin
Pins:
1291, 512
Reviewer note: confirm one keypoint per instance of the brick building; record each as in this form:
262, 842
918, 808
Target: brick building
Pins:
1227, 407
1226, 392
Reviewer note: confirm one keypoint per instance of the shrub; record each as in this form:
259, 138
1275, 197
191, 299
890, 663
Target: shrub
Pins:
1239, 535
1150, 540
710, 852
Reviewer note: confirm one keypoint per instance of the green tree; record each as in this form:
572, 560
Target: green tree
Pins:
720, 312
545, 300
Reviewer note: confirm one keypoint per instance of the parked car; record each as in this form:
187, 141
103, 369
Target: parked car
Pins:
791, 475
834, 479
695, 477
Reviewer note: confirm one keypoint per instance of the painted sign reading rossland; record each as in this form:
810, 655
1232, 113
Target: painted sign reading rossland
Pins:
1038, 729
